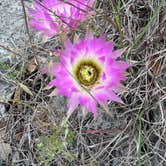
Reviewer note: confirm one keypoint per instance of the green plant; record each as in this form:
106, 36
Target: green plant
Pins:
139, 143
54, 144
116, 12
12, 73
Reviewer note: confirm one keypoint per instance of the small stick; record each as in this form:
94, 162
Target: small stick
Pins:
8, 49
26, 21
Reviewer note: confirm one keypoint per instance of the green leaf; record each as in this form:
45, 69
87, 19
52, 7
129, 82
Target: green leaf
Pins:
139, 143
70, 137
26, 89
66, 132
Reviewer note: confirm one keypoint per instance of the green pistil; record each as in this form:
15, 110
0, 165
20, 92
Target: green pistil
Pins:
87, 72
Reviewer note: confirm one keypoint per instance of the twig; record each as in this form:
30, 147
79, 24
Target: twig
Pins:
8, 49
26, 21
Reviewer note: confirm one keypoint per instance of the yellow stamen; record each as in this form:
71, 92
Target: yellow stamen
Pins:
87, 72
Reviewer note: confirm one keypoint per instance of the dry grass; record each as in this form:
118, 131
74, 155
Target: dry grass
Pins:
136, 135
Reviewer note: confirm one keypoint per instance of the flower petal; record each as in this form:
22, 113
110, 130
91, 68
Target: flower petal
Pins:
117, 53
113, 97
72, 104
91, 106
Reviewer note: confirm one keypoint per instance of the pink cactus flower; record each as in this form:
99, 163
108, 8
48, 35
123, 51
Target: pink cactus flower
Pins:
53, 16
89, 73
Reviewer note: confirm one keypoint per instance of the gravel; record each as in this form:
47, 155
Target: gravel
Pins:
12, 36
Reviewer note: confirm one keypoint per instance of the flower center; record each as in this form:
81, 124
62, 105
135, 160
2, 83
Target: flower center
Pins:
87, 72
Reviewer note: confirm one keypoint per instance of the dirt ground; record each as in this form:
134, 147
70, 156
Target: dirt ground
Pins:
31, 116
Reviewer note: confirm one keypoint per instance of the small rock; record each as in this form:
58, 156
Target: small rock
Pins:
6, 91
5, 149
